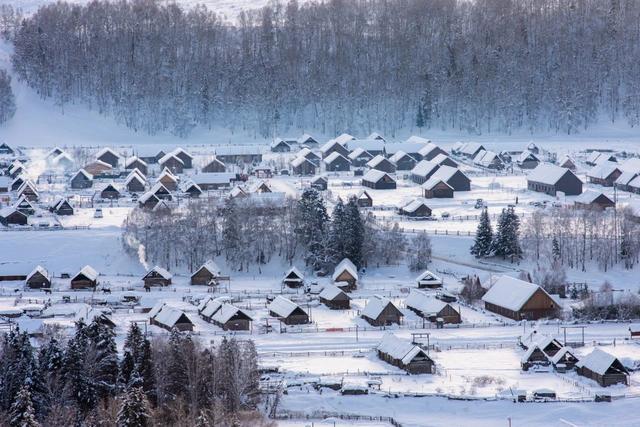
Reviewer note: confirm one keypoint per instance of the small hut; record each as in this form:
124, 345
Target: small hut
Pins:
86, 278
38, 279
293, 278
335, 298
157, 276
207, 274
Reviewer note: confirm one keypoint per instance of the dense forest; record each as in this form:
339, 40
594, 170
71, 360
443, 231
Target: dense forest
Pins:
357, 65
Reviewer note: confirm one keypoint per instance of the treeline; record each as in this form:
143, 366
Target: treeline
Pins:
362, 65
250, 233
83, 381
7, 98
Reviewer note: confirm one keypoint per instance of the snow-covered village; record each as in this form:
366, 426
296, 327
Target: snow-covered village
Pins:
236, 253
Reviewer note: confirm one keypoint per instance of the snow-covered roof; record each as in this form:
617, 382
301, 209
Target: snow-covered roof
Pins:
133, 176
318, 178
330, 292
626, 177
399, 155
546, 173
527, 155
375, 306
589, 197
418, 139
62, 156
429, 277
38, 269
134, 159
363, 194
445, 172
597, 361
424, 303
631, 164
424, 168
88, 272
282, 306
167, 174
510, 293
83, 173
295, 272
560, 354
278, 141
226, 312
169, 316
432, 182
160, 271
410, 148
329, 145
345, 265
414, 205
305, 152
399, 349
334, 156
105, 151
168, 156
440, 157
603, 170
376, 161
471, 148
374, 175
238, 150
301, 159
212, 178
375, 135
359, 151
305, 137
344, 138
212, 306
181, 150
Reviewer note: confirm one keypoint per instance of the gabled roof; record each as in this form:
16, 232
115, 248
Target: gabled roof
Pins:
414, 205
294, 272
134, 159
377, 160
471, 148
168, 156
546, 173
399, 349
318, 178
9, 210
105, 151
603, 170
160, 271
527, 155
212, 178
363, 194
38, 269
306, 137
375, 135
166, 173
283, 307
399, 155
169, 316
181, 150
432, 182
84, 173
428, 277
345, 265
445, 173
599, 361
375, 306
375, 175
424, 168
511, 293
344, 138
330, 292
133, 176
301, 159
359, 151
278, 141
209, 266
226, 312
411, 148
329, 145
560, 354
88, 272
590, 196
424, 303
305, 152
419, 139
335, 156
626, 177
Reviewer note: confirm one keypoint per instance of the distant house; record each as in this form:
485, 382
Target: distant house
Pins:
380, 311
435, 188
28, 190
603, 368
206, 275
378, 180
528, 160
287, 311
628, 181
170, 318
25, 206
137, 163
148, 200
432, 309
108, 156
551, 179
381, 163
417, 208
431, 151
404, 355
172, 162
471, 149
168, 180
423, 171
6, 149
567, 163
373, 146
225, 315
293, 278
359, 157
309, 155
597, 157
605, 174
61, 207
444, 160
187, 159
333, 146
280, 146
454, 177
346, 272
110, 192
303, 166
149, 155
160, 191
86, 278
593, 200
308, 141
12, 216
82, 179
364, 199
213, 180
134, 183
335, 298
98, 168
336, 162
235, 154
519, 300
260, 187
534, 356
38, 279
403, 161
192, 189
215, 165
157, 276
63, 161
489, 160
429, 280
320, 183
564, 360
16, 169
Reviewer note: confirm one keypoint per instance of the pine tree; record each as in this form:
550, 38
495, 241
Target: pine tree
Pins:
506, 242
231, 232
18, 366
420, 117
22, 412
555, 249
353, 246
337, 239
483, 243
421, 252
80, 387
105, 361
147, 372
177, 366
133, 410
50, 366
312, 221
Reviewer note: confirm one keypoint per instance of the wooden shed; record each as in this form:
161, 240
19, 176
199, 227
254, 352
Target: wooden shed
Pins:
85, 278
346, 272
172, 162
519, 300
287, 311
551, 179
417, 208
108, 156
378, 180
429, 280
206, 275
62, 207
38, 279
432, 309
136, 163
593, 200
157, 276
303, 166
605, 174
320, 183
603, 368
293, 278
215, 165
12, 216
380, 311
170, 318
381, 163
222, 313
110, 192
405, 355
335, 298
435, 188
82, 179
336, 162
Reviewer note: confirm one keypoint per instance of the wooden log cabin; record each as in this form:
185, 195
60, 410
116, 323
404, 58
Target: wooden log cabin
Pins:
404, 355
519, 300
432, 309
603, 368
157, 276
206, 275
38, 279
287, 311
380, 311
346, 272
86, 278
170, 318
335, 298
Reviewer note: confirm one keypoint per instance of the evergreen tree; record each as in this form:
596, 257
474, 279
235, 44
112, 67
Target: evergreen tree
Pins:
338, 234
312, 221
147, 372
18, 366
177, 366
555, 249
77, 368
105, 360
231, 232
507, 239
421, 252
22, 412
353, 245
133, 409
420, 117
50, 366
483, 243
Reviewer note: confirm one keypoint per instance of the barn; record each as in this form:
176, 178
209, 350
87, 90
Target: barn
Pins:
403, 161
82, 179
61, 207
454, 177
417, 208
527, 160
335, 298
380, 311
381, 163
172, 162
293, 278
157, 276
346, 272
287, 311
134, 183
320, 183
605, 174
303, 166
603, 368
359, 157
336, 162
551, 179
435, 188
170, 318
593, 200
519, 300
109, 156
429, 280
12, 216
423, 171
110, 192
364, 199
432, 309
215, 165
378, 180
86, 278
206, 275
38, 279
404, 355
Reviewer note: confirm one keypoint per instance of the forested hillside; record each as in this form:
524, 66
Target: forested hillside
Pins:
481, 66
